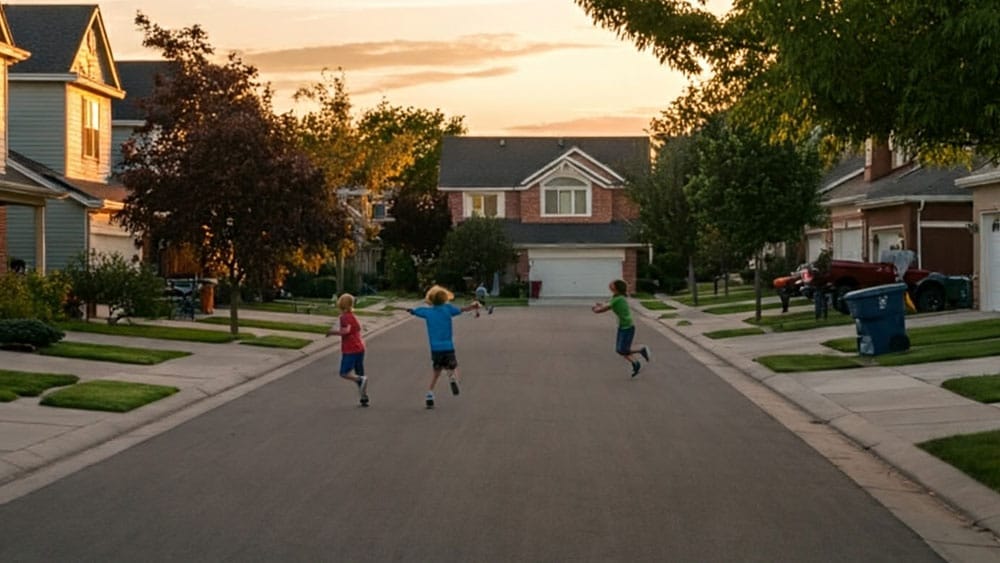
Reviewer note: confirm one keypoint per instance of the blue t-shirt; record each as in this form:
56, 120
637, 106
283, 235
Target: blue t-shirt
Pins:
438, 319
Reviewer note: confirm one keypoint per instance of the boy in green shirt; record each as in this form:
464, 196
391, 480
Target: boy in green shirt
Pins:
626, 328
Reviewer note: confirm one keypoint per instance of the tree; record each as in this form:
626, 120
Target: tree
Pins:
923, 71
665, 217
752, 191
215, 170
478, 247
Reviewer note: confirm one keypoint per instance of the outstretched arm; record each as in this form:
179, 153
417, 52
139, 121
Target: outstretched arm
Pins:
600, 307
471, 306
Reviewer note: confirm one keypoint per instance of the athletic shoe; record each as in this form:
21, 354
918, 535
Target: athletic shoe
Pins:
364, 400
363, 386
636, 366
454, 385
429, 400
645, 352
489, 310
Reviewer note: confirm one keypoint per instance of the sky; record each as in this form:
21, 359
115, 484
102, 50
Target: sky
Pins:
510, 67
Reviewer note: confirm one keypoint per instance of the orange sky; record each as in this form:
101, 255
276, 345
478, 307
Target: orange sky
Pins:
511, 67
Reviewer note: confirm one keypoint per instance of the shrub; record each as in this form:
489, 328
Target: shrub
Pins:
400, 270
15, 302
128, 289
514, 290
33, 296
28, 331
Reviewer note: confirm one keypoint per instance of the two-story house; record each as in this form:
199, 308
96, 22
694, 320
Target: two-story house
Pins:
985, 226
60, 123
885, 200
16, 188
562, 200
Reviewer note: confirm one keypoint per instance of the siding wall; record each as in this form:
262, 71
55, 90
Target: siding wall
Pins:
78, 166
38, 122
3, 239
119, 134
3, 117
65, 232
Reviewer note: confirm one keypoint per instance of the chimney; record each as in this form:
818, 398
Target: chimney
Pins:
878, 159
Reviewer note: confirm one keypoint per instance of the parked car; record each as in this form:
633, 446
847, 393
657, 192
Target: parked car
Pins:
928, 290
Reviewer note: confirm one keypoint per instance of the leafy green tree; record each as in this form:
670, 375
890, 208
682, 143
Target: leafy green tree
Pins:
214, 169
752, 191
477, 247
923, 71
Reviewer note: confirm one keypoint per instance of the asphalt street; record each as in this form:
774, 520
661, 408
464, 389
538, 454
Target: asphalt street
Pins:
550, 453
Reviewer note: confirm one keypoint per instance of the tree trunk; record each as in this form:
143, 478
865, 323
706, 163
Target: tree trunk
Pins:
234, 306
692, 282
340, 271
756, 286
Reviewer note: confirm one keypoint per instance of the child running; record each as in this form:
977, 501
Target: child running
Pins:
352, 347
626, 328
438, 319
481, 297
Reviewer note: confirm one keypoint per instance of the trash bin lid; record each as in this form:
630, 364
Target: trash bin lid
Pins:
887, 289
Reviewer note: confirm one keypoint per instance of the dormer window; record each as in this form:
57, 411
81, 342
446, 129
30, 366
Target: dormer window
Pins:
91, 129
565, 196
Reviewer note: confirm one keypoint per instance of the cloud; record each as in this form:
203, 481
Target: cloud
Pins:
596, 125
431, 77
463, 51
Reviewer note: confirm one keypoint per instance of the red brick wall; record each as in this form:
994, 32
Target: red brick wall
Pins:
602, 204
522, 266
624, 207
629, 267
512, 205
455, 205
3, 239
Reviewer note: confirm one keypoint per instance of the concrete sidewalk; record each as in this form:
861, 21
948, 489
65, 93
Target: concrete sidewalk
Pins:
885, 410
33, 436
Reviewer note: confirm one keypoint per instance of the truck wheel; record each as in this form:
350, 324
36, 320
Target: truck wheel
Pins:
930, 298
838, 298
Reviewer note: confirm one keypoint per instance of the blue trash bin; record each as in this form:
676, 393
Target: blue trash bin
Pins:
880, 318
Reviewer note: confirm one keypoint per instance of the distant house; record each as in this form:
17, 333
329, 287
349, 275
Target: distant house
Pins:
16, 189
985, 226
138, 79
562, 201
60, 123
885, 200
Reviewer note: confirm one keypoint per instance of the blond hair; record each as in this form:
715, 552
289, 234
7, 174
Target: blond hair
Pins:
438, 295
345, 302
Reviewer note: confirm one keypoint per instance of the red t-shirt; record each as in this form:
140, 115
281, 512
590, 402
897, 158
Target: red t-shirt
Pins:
351, 342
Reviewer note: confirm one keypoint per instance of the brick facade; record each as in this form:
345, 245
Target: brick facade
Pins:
3, 239
630, 267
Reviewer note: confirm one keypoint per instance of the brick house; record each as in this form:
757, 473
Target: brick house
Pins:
885, 200
562, 201
985, 226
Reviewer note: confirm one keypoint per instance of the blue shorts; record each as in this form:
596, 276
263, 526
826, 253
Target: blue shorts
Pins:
355, 362
623, 342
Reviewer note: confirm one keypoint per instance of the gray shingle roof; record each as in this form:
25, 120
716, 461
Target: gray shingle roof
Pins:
912, 181
52, 33
138, 79
497, 162
841, 169
555, 233
52, 176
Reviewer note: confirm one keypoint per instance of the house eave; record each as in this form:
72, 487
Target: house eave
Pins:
69, 77
58, 191
903, 200
528, 245
12, 53
978, 180
128, 122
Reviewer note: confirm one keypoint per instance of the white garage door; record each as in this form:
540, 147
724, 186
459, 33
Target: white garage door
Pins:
815, 244
575, 274
110, 244
847, 244
991, 255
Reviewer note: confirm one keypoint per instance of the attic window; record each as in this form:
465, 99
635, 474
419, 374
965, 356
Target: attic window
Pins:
565, 196
91, 141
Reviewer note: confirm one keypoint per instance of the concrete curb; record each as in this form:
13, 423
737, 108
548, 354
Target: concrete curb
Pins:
974, 500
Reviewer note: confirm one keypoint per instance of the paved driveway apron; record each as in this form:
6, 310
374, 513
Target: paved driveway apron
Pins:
551, 453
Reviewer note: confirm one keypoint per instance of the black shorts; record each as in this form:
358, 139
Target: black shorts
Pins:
444, 360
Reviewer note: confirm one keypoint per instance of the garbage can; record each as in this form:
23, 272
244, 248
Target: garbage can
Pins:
958, 291
879, 318
208, 296
536, 288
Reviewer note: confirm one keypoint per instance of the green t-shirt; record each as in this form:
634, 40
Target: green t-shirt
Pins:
619, 305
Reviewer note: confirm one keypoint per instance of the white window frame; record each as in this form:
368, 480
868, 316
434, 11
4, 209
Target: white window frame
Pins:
584, 186
90, 129
470, 203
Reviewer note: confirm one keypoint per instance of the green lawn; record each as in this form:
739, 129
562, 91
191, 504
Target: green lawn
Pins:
149, 331
105, 353
669, 315
982, 388
942, 353
656, 305
976, 455
786, 363
271, 325
276, 341
740, 308
933, 335
27, 384
325, 307
803, 320
683, 323
734, 332
707, 298
105, 395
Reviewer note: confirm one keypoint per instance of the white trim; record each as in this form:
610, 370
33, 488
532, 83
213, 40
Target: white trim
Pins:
589, 190
467, 203
476, 189
842, 201
63, 193
944, 224
565, 158
128, 122
889, 202
977, 180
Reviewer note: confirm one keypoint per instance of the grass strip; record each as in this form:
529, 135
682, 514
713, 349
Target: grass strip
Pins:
106, 353
802, 320
942, 353
656, 305
150, 331
669, 315
735, 296
976, 455
6, 395
276, 341
270, 325
27, 384
107, 395
683, 323
734, 332
788, 363
739, 308
323, 308
932, 335
982, 388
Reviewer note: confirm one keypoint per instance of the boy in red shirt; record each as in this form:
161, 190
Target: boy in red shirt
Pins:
352, 347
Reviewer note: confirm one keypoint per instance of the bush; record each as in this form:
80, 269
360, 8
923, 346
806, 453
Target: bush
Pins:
128, 289
514, 290
29, 331
33, 296
400, 270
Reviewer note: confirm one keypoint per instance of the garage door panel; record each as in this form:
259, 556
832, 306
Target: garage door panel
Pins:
575, 277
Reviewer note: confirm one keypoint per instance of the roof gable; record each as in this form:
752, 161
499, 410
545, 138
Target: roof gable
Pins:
8, 50
64, 39
507, 162
583, 163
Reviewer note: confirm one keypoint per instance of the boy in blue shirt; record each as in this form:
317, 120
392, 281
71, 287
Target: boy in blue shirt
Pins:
438, 320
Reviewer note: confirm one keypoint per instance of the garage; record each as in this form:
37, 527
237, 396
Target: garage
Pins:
576, 272
111, 239
991, 262
847, 244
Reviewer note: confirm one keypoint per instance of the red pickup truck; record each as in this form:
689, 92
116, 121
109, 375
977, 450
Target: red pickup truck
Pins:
927, 289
